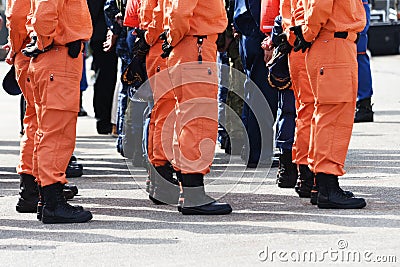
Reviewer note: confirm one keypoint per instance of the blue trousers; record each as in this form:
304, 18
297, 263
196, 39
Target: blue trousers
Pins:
259, 111
285, 124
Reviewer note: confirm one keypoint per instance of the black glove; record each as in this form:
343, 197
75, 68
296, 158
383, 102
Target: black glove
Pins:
74, 48
140, 47
284, 47
31, 49
166, 47
300, 42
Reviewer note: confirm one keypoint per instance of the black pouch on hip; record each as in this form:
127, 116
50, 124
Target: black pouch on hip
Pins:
74, 48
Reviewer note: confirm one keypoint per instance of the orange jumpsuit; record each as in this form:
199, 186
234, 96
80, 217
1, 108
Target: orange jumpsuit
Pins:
153, 19
195, 85
54, 77
332, 70
292, 15
17, 12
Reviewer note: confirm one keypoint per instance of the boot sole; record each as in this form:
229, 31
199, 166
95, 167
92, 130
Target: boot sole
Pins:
56, 220
189, 211
337, 206
20, 209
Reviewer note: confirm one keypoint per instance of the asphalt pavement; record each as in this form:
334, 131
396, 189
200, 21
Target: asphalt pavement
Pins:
268, 227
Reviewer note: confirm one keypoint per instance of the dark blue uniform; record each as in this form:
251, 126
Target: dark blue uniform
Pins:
257, 119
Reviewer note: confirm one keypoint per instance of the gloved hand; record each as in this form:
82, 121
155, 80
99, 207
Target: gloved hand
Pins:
74, 48
166, 47
31, 49
141, 47
284, 47
300, 42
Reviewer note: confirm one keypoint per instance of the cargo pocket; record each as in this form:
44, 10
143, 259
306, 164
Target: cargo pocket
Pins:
198, 80
63, 91
335, 84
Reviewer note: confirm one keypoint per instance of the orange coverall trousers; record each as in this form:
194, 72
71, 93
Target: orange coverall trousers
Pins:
160, 134
25, 165
54, 77
304, 105
332, 70
195, 87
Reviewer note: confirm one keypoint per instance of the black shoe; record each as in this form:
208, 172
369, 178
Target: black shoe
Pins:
364, 111
82, 112
39, 212
29, 194
57, 210
305, 182
69, 191
194, 201
103, 127
331, 196
74, 169
164, 188
287, 171
314, 194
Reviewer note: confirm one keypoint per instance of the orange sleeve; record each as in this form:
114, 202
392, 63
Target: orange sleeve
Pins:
318, 13
181, 13
132, 14
17, 12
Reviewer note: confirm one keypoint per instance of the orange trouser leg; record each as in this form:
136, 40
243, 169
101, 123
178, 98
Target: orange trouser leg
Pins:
56, 94
196, 87
305, 107
332, 68
160, 134
30, 120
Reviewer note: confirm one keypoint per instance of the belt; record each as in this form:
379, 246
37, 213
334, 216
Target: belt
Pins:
347, 35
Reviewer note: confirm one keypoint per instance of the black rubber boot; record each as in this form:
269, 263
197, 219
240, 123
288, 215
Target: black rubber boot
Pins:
29, 194
57, 210
287, 171
164, 188
305, 181
194, 201
331, 196
364, 111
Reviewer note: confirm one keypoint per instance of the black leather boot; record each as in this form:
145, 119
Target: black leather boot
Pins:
314, 193
57, 210
164, 188
331, 196
29, 194
194, 200
364, 111
287, 171
304, 182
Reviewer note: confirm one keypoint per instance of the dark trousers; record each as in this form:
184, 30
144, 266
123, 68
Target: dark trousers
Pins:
262, 100
286, 120
106, 76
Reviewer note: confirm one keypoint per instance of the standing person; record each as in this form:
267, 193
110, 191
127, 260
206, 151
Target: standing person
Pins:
105, 63
190, 44
153, 21
330, 28
364, 111
16, 13
259, 128
58, 30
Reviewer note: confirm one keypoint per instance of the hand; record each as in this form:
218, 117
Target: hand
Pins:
141, 47
74, 48
110, 41
300, 42
267, 44
284, 47
31, 49
268, 55
10, 55
166, 47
